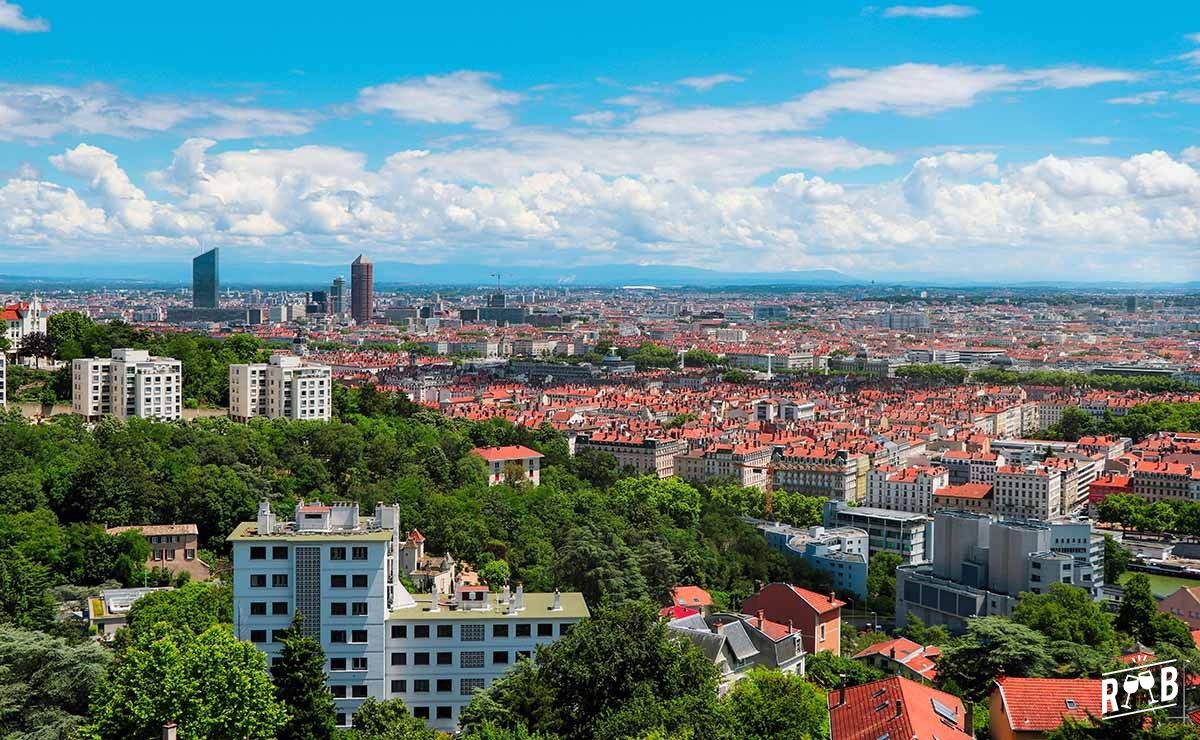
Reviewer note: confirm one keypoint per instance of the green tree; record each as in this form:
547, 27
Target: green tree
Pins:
195, 607
25, 599
1066, 613
992, 646
1075, 423
45, 683
1116, 559
827, 670
766, 704
495, 574
389, 720
213, 685
1138, 609
881, 581
619, 674
299, 676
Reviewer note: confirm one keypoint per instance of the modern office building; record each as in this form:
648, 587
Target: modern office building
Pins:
286, 387
841, 552
129, 384
206, 280
337, 296
342, 572
362, 290
981, 566
904, 533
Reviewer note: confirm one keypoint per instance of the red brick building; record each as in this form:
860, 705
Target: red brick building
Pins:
818, 617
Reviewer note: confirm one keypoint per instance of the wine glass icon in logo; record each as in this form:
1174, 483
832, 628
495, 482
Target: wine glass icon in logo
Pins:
1146, 681
1130, 685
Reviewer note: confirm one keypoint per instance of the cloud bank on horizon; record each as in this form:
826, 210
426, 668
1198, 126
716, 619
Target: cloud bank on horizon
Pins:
718, 168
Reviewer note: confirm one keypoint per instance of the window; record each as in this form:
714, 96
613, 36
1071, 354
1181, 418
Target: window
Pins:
189, 553
443, 712
445, 658
278, 635
259, 636
358, 553
545, 630
399, 631
821, 631
358, 636
337, 636
340, 719
258, 608
421, 712
279, 608
258, 552
337, 581
337, 553
359, 609
279, 580
421, 686
445, 685
337, 664
524, 654
399, 686
360, 580
358, 664
420, 658
399, 658
500, 657
563, 628
445, 630
358, 692
421, 631
499, 630
471, 659
258, 580
339, 692
337, 608
468, 686
523, 630
279, 552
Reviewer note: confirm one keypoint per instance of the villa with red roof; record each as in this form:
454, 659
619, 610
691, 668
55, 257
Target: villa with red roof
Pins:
899, 709
817, 616
903, 657
500, 458
1028, 708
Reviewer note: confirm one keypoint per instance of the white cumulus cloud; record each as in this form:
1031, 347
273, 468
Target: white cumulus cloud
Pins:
13, 18
463, 97
930, 11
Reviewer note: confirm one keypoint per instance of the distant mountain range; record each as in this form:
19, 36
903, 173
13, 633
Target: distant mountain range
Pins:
236, 273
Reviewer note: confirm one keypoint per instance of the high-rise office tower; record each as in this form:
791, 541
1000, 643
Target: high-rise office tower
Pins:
206, 282
337, 296
362, 289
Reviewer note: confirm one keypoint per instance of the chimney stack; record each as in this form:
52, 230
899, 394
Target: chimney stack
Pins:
557, 602
899, 708
169, 731
970, 716
791, 629
842, 690
831, 599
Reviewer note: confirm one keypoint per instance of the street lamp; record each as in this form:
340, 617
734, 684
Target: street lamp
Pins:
874, 626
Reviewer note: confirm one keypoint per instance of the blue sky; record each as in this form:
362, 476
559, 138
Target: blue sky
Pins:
1020, 140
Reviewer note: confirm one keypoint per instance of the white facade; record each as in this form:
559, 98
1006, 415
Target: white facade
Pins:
342, 572
129, 384
286, 387
906, 489
22, 319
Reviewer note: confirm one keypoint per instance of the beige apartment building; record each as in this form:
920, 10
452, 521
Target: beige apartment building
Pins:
646, 455
286, 387
130, 384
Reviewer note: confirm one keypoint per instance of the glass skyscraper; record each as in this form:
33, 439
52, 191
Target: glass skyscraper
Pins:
206, 283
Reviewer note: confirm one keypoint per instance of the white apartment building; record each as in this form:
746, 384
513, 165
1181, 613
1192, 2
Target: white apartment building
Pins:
906, 489
342, 573
18, 320
1027, 492
287, 387
129, 384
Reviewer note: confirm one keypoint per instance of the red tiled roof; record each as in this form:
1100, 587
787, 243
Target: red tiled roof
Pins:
416, 536
676, 612
510, 452
1039, 704
156, 529
899, 708
819, 603
691, 596
966, 490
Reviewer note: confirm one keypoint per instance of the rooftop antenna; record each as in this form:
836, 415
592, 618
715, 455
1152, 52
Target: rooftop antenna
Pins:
497, 276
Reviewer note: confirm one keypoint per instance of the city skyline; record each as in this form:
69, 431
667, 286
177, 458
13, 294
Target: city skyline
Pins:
894, 142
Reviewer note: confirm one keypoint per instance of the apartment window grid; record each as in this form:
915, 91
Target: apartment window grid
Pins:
308, 588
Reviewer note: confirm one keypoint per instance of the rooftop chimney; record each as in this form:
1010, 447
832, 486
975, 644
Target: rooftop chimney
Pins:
970, 716
831, 598
266, 519
842, 690
899, 708
519, 598
169, 731
791, 629
557, 602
